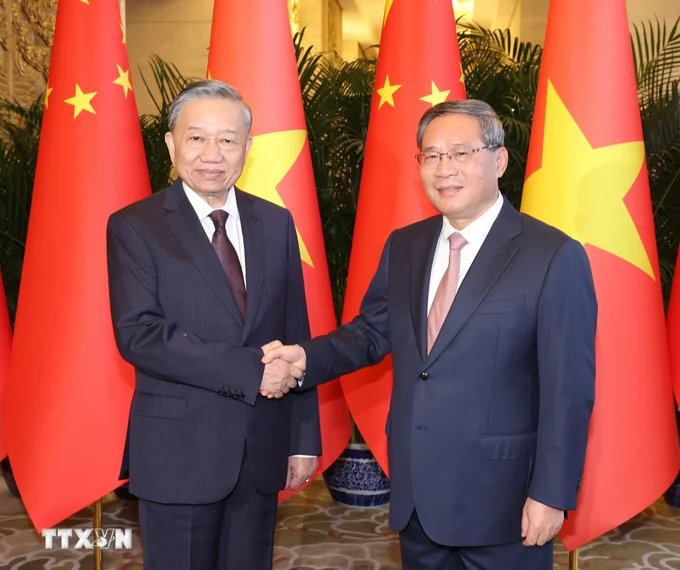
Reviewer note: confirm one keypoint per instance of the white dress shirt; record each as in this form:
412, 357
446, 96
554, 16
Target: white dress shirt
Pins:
234, 228
475, 234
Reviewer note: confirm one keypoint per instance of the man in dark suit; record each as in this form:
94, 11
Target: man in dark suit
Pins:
490, 316
201, 276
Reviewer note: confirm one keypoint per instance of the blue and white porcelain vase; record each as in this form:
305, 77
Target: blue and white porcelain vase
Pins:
356, 479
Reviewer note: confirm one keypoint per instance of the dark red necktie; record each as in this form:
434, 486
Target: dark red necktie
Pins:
229, 259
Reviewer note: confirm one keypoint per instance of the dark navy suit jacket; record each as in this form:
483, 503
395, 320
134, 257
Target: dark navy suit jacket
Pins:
198, 368
499, 409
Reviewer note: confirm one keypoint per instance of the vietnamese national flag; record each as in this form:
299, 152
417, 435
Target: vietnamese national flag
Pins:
251, 48
418, 67
586, 175
69, 391
5, 350
673, 324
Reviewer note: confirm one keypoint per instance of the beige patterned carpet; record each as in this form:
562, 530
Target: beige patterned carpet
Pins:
314, 533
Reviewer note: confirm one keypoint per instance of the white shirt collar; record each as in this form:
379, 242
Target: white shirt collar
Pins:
203, 209
475, 233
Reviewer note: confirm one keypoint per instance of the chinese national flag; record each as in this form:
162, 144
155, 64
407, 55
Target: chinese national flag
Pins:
586, 175
251, 48
418, 67
69, 391
673, 323
5, 348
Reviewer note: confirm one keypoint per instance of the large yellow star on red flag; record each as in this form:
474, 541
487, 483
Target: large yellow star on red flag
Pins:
124, 80
436, 96
580, 189
386, 92
270, 158
388, 5
81, 102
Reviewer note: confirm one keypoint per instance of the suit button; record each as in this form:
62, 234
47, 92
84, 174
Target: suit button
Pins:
221, 393
423, 376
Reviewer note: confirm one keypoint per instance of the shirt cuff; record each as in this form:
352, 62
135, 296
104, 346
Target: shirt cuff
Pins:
307, 456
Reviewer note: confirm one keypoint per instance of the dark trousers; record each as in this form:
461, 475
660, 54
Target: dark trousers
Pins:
418, 552
236, 533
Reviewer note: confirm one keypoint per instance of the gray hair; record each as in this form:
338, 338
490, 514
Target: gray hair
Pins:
489, 123
209, 89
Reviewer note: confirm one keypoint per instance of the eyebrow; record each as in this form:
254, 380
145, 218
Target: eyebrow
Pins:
191, 128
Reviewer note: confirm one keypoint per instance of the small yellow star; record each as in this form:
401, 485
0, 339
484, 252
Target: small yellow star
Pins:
124, 80
81, 102
85, 1
386, 92
580, 189
47, 95
436, 96
462, 75
209, 75
388, 5
122, 29
270, 158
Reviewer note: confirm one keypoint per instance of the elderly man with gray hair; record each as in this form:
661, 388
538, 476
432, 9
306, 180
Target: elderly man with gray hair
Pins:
202, 276
490, 318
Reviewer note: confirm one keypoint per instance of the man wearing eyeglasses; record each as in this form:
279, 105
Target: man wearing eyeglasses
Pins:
490, 316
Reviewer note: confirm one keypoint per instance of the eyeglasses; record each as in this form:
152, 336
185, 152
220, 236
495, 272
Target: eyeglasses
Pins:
461, 154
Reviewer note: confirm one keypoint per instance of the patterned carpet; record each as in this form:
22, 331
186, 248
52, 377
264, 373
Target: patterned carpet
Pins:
314, 533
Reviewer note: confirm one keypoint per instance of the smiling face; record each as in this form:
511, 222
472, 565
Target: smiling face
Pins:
209, 146
462, 192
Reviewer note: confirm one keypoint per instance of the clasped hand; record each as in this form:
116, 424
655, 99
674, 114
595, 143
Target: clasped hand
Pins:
284, 366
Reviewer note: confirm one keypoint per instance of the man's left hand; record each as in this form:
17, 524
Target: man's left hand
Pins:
300, 469
540, 523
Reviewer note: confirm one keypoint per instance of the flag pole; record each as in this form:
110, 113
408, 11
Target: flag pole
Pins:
573, 559
97, 508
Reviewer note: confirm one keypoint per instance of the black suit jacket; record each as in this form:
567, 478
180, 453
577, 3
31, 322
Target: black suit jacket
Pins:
198, 370
499, 409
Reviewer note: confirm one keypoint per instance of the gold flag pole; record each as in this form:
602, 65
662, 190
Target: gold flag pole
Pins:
97, 507
573, 559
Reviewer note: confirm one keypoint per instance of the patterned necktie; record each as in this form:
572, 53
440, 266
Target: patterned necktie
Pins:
446, 291
229, 259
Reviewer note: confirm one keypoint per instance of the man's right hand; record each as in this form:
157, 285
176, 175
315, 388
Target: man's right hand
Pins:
279, 377
292, 355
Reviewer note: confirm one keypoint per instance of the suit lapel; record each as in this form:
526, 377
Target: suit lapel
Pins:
492, 259
185, 225
253, 241
421, 268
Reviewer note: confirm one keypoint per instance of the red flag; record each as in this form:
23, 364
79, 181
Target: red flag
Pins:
69, 391
5, 349
418, 66
586, 175
279, 166
673, 324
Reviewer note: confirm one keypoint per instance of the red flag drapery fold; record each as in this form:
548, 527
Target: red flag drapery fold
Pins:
69, 391
586, 174
418, 66
251, 48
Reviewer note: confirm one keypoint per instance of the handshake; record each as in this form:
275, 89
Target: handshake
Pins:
284, 367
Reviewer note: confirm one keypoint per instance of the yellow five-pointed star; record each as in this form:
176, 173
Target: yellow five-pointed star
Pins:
436, 96
580, 189
124, 80
85, 1
122, 29
462, 75
47, 95
209, 75
386, 92
270, 158
81, 102
388, 5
